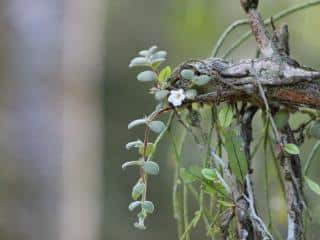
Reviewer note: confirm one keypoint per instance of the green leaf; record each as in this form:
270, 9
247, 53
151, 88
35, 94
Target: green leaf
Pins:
312, 185
281, 118
236, 156
291, 149
149, 150
164, 74
225, 116
156, 126
209, 174
315, 130
187, 74
136, 122
138, 190
201, 80
147, 76
147, 206
139, 61
161, 94
133, 205
151, 168
195, 170
186, 176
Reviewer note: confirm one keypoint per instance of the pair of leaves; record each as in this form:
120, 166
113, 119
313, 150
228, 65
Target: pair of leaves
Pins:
150, 167
201, 80
155, 126
147, 206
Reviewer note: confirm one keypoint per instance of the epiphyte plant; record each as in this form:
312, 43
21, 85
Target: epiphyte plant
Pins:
232, 94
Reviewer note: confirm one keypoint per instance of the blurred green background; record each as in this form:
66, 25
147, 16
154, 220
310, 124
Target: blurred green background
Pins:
186, 29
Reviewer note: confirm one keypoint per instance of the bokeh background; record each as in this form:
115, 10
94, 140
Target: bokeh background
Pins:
67, 96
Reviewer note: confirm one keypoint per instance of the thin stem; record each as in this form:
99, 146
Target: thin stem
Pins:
310, 158
225, 34
266, 175
176, 193
185, 211
276, 17
161, 135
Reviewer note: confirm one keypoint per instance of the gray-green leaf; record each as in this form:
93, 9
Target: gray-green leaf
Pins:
133, 205
161, 94
151, 168
291, 149
136, 122
132, 163
147, 76
225, 116
134, 144
139, 61
187, 74
138, 190
313, 185
147, 206
156, 126
191, 93
201, 80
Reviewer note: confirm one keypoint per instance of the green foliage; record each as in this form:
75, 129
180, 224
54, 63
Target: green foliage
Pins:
291, 149
281, 118
236, 156
312, 185
225, 116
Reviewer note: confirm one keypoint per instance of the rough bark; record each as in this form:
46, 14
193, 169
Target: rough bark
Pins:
273, 79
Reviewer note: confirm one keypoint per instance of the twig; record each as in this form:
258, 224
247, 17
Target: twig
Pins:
276, 17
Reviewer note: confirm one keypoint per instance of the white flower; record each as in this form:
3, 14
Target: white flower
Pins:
176, 97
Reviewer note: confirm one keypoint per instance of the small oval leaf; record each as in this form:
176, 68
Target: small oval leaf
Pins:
147, 76
136, 122
159, 55
225, 116
187, 74
156, 126
164, 74
139, 61
151, 168
209, 174
291, 149
138, 190
147, 206
191, 93
201, 80
134, 144
161, 94
133, 205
